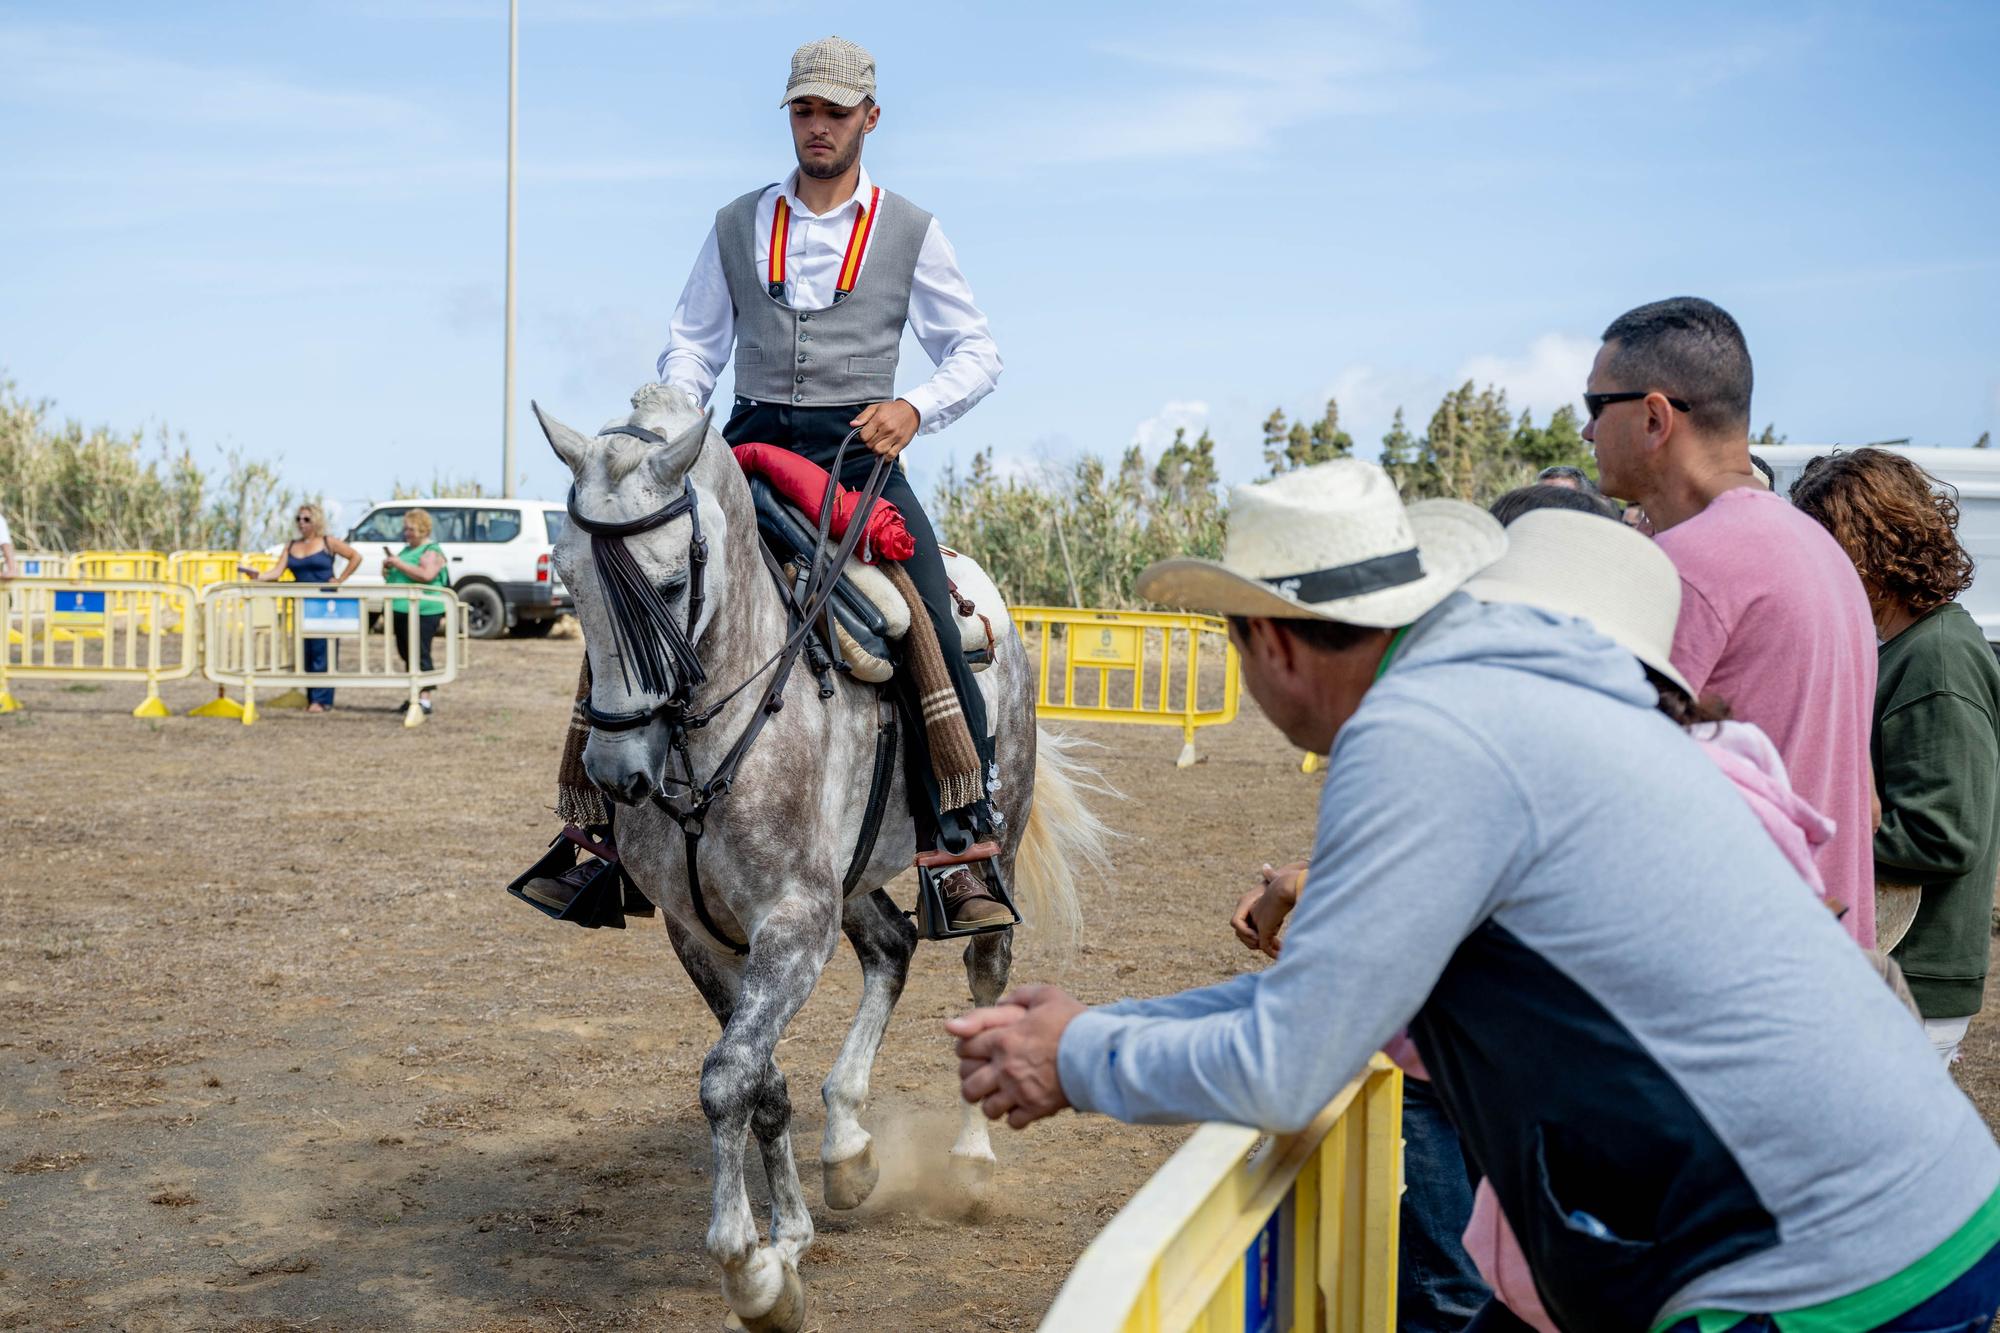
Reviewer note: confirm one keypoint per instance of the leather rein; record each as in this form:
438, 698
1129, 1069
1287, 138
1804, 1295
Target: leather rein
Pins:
660, 639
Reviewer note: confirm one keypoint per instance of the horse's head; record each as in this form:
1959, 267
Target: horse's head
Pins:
633, 556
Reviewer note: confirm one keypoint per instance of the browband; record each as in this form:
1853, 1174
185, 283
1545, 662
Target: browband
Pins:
1364, 576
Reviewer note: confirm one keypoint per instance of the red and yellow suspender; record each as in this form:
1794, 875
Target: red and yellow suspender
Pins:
850, 264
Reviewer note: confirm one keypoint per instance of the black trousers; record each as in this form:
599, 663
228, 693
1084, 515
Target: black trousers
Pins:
427, 631
815, 433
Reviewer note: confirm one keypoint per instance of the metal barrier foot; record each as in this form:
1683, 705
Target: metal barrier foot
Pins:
414, 716
1187, 756
8, 703
289, 699
220, 706
154, 706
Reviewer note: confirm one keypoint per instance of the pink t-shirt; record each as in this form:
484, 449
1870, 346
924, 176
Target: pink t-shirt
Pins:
1774, 621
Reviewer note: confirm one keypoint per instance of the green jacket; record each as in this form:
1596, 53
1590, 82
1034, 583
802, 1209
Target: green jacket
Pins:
1936, 748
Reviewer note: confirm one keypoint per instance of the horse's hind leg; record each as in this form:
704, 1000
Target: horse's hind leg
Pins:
883, 939
987, 961
742, 1090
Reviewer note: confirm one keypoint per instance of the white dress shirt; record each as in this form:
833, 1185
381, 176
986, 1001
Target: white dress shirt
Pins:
942, 314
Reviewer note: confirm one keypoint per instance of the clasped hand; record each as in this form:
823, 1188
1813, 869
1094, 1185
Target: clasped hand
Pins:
1007, 1054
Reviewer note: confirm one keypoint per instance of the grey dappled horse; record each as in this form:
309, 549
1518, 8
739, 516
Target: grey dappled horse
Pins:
777, 847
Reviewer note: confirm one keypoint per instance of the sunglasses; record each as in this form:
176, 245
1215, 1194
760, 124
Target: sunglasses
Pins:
1594, 403
305, 518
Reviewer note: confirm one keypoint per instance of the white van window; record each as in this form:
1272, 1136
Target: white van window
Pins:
493, 525
556, 521
384, 525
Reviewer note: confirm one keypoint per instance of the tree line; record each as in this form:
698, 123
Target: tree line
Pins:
1081, 536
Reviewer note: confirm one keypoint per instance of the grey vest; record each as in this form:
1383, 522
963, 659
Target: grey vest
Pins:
843, 354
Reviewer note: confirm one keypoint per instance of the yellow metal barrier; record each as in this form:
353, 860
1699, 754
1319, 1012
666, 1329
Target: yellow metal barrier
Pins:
200, 569
1292, 1234
1136, 655
119, 566
91, 630
254, 636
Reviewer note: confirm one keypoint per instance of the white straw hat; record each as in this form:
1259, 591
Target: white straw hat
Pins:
1332, 542
1595, 569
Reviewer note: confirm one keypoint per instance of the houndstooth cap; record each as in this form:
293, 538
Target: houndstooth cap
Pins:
834, 68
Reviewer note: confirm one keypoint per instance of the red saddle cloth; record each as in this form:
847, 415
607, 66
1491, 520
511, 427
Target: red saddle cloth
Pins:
803, 482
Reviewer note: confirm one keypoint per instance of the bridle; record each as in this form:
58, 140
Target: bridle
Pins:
651, 641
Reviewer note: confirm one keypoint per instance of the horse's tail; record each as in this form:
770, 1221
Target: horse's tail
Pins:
1063, 837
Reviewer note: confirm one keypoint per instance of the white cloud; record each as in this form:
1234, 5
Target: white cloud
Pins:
1550, 374
1157, 431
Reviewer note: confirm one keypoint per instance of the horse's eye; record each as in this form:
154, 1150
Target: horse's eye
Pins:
673, 587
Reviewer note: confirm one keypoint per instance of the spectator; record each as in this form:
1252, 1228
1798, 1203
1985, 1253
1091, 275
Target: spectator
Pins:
1936, 739
309, 558
1550, 495
420, 561
1567, 477
9, 567
1687, 1088
1764, 471
1635, 518
1773, 617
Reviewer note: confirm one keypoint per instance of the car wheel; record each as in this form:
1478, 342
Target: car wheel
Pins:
534, 629
486, 614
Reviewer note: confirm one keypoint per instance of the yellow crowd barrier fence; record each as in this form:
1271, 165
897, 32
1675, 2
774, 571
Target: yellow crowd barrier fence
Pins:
254, 638
1150, 667
1290, 1234
203, 569
89, 630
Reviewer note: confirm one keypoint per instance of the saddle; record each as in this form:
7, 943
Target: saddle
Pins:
868, 617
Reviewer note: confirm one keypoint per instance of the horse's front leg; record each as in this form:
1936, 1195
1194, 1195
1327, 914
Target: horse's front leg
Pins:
883, 939
741, 1090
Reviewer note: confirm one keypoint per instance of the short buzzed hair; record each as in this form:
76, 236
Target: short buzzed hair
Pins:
1690, 349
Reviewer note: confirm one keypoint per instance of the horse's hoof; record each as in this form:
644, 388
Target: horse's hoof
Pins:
788, 1315
973, 1175
849, 1183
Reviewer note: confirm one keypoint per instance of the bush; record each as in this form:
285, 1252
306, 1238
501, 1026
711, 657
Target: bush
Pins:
65, 488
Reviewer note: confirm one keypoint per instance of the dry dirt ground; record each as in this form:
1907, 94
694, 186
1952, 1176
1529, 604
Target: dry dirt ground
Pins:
278, 1051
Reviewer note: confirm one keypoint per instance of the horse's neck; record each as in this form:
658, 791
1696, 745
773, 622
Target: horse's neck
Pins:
747, 624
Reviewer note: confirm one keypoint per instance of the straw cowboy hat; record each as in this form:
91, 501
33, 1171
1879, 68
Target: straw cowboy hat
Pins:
1587, 566
1332, 542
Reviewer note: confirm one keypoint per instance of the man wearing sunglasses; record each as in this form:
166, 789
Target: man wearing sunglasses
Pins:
1773, 618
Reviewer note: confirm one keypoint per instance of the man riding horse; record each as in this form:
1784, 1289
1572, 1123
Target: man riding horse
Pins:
812, 282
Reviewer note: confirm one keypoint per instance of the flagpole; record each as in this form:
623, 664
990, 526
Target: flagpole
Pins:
507, 375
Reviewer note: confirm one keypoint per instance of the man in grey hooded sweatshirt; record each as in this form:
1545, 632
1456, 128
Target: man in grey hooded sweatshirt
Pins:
1696, 1102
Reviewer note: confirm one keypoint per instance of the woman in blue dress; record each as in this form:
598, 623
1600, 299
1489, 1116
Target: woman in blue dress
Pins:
309, 557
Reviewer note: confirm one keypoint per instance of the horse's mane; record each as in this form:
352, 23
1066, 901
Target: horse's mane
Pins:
660, 409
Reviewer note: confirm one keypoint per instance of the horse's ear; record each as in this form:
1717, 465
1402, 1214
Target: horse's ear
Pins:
571, 447
671, 461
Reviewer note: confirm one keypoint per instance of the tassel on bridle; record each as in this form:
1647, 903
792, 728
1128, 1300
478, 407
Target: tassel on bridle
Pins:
653, 645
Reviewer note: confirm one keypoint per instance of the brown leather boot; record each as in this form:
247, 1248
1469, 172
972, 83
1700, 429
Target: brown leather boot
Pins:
557, 892
968, 904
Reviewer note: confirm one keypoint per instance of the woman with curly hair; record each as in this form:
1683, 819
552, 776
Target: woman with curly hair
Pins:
1936, 735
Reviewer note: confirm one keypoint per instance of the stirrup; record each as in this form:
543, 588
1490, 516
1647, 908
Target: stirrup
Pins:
934, 916
599, 902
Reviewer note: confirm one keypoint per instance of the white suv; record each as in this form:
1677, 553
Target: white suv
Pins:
499, 558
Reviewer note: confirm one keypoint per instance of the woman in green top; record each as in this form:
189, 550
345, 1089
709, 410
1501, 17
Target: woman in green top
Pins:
1936, 737
420, 561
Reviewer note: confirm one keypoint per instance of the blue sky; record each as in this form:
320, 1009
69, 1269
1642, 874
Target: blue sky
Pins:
280, 227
